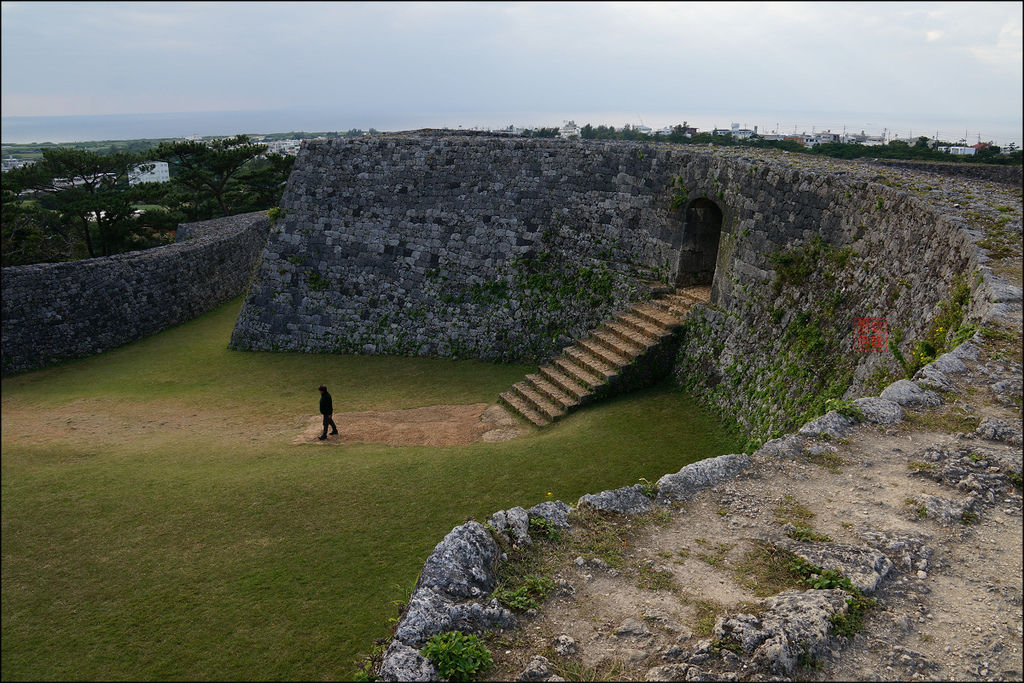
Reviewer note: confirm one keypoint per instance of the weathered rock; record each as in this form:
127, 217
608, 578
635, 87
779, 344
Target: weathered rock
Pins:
966, 351
633, 629
539, 669
403, 663
879, 410
795, 623
430, 612
554, 511
789, 446
462, 565
564, 645
863, 566
906, 393
950, 363
995, 429
946, 511
699, 475
907, 551
931, 377
519, 525
831, 423
628, 500
667, 672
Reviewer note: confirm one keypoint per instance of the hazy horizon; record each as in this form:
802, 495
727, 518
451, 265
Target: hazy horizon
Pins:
87, 128
277, 66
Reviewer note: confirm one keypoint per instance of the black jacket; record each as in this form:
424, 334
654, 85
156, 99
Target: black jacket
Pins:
326, 404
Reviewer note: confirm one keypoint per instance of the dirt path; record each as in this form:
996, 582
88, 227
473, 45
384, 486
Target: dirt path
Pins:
930, 494
443, 425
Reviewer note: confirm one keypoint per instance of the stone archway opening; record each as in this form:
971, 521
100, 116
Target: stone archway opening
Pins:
698, 253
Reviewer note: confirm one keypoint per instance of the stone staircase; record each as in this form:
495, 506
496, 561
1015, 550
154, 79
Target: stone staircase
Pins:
588, 367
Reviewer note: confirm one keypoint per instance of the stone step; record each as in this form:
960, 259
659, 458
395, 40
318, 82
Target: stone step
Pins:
702, 293
642, 326
681, 300
594, 361
587, 361
520, 407
564, 382
537, 401
641, 340
656, 316
606, 355
551, 392
672, 307
577, 373
616, 344
658, 288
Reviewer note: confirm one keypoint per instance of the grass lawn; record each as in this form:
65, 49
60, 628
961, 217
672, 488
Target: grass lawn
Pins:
158, 523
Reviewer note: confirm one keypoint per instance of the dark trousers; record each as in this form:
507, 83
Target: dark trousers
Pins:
329, 422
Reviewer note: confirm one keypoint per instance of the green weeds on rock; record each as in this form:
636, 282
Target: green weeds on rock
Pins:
529, 593
458, 656
946, 332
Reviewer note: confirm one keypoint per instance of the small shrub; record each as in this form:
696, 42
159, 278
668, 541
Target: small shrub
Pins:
851, 623
542, 528
529, 594
844, 408
648, 489
458, 656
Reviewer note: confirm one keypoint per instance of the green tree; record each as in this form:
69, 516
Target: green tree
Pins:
205, 175
30, 233
90, 192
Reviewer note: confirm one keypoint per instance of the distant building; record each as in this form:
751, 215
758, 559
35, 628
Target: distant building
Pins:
284, 147
741, 133
686, 130
511, 130
822, 138
159, 173
958, 150
569, 130
11, 163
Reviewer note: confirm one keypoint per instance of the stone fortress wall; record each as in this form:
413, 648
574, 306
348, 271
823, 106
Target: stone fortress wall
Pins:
508, 248
1009, 175
59, 311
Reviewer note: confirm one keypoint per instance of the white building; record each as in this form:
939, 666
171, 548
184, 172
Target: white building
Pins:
741, 133
958, 150
159, 173
283, 147
569, 130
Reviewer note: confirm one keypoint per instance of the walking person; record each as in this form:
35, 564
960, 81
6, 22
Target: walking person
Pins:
327, 410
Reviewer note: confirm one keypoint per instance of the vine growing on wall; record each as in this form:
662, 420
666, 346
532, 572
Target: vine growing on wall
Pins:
566, 285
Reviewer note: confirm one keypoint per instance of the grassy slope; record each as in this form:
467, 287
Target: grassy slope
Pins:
185, 537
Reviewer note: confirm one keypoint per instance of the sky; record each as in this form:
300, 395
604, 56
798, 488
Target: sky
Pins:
407, 65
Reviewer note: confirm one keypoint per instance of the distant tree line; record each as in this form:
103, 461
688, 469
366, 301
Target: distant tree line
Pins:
79, 203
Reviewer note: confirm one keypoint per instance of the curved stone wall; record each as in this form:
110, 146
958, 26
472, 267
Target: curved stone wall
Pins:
508, 248
59, 311
1010, 175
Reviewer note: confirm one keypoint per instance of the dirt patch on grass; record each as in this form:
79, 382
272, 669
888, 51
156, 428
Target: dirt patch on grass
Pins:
443, 425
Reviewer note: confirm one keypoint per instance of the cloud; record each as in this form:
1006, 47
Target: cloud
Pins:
389, 58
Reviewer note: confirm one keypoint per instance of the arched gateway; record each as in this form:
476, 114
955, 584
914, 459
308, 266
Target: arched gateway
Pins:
698, 253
